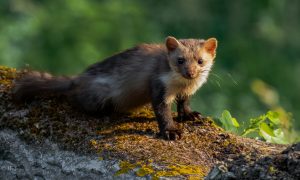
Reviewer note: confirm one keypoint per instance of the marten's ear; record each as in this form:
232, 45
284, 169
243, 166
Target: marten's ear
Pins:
171, 43
210, 46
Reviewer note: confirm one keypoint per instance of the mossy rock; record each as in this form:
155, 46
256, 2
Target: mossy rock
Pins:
129, 138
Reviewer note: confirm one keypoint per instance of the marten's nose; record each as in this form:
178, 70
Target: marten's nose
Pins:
191, 74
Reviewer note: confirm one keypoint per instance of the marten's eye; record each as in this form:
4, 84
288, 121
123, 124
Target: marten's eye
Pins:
200, 61
180, 60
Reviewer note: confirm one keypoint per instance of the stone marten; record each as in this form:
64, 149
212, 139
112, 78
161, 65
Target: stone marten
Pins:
148, 73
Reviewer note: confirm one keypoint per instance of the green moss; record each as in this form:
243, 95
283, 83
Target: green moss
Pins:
131, 138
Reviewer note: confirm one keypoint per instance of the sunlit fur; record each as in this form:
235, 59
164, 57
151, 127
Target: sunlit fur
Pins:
125, 81
176, 82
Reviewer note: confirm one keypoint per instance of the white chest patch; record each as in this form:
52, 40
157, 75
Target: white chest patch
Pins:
177, 85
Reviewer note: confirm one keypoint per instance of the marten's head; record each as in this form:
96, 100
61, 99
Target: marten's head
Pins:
191, 57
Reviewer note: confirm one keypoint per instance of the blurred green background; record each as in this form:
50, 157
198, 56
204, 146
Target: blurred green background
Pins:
257, 66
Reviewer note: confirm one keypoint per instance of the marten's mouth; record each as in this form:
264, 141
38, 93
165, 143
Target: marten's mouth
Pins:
189, 76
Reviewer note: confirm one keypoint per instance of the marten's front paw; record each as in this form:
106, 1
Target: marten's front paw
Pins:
171, 134
191, 116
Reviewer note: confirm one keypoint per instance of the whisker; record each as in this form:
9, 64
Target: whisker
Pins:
216, 75
204, 71
215, 83
233, 80
218, 83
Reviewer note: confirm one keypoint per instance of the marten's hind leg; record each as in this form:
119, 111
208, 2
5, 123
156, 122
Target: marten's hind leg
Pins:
93, 99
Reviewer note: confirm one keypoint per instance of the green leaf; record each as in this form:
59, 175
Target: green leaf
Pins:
265, 135
235, 123
256, 121
273, 117
278, 133
279, 140
279, 137
266, 128
226, 114
229, 123
248, 131
224, 119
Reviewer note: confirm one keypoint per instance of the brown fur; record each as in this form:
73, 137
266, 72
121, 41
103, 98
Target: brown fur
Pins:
35, 83
130, 79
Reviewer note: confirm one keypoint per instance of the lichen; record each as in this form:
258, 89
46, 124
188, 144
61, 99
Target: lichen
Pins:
125, 167
272, 170
145, 170
148, 169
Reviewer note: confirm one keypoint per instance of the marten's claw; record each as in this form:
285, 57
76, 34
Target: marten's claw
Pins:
192, 116
195, 115
171, 135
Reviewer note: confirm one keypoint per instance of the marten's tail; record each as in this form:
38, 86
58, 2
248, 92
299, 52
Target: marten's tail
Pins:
36, 83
